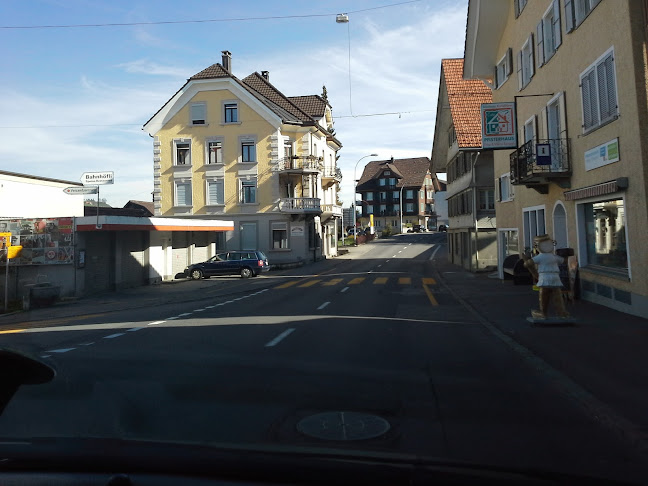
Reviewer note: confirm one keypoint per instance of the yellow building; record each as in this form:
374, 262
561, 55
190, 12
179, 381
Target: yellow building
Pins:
576, 70
241, 149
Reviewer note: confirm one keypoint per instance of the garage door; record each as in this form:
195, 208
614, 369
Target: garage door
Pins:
99, 266
133, 254
180, 251
201, 246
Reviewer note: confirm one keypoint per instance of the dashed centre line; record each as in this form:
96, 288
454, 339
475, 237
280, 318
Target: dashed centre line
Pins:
60, 351
323, 305
344, 290
113, 336
280, 338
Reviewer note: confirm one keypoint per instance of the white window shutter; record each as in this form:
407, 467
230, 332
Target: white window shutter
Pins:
569, 15
539, 45
519, 70
563, 116
497, 190
557, 29
509, 61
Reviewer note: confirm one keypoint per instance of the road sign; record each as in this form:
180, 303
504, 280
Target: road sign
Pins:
97, 178
81, 190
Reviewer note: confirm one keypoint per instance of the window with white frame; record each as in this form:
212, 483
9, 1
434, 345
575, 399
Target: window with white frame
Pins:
370, 209
430, 194
383, 196
182, 152
396, 195
598, 92
409, 194
215, 192
533, 220
576, 11
248, 189
548, 34
452, 136
526, 66
504, 188
248, 150
182, 193
198, 113
230, 112
504, 68
369, 196
288, 148
214, 151
383, 209
382, 182
279, 235
392, 181
519, 6
409, 207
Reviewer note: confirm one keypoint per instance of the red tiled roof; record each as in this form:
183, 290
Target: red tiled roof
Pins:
465, 97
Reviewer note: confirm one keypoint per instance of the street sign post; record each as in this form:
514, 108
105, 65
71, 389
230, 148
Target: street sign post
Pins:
81, 190
97, 178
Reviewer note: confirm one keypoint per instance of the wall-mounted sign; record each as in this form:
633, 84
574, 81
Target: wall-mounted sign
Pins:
297, 230
43, 241
97, 178
499, 129
543, 154
604, 154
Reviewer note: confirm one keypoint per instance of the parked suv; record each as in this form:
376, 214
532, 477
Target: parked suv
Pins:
244, 263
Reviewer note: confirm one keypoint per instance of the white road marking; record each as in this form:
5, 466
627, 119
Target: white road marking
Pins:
210, 307
135, 329
279, 338
199, 310
46, 356
400, 251
86, 344
62, 350
184, 314
113, 336
379, 266
386, 261
155, 323
434, 252
323, 305
405, 248
171, 318
393, 256
344, 289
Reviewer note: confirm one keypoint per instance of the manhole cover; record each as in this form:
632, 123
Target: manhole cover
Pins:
343, 426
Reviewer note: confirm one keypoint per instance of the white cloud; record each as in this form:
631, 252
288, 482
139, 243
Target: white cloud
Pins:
145, 66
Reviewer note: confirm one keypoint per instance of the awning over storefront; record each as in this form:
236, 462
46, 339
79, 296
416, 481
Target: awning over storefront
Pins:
597, 190
126, 223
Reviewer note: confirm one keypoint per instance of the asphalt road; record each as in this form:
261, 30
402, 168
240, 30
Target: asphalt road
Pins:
375, 342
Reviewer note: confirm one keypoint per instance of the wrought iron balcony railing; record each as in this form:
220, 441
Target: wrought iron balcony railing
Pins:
542, 162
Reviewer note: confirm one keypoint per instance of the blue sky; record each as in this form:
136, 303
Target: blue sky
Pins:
74, 99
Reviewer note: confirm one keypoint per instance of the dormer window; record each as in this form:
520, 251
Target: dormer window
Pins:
387, 172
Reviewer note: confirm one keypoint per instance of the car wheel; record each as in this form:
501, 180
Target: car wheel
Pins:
246, 272
196, 274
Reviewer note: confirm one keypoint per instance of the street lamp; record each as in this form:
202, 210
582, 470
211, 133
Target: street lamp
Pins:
355, 187
401, 208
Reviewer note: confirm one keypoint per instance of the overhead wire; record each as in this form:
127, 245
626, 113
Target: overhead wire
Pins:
197, 21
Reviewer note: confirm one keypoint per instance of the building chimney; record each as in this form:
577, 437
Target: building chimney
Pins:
266, 75
227, 61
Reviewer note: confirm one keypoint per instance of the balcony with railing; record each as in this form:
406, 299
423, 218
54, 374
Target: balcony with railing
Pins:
300, 205
299, 165
331, 174
538, 165
331, 211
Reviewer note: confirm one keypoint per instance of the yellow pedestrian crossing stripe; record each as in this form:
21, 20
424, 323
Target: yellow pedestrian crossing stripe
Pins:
287, 284
425, 281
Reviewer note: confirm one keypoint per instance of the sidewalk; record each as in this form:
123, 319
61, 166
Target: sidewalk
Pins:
605, 352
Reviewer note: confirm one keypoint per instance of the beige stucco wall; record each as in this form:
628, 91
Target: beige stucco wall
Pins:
614, 24
252, 124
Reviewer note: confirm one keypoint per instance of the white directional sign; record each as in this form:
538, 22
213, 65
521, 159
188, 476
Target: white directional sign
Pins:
96, 178
81, 190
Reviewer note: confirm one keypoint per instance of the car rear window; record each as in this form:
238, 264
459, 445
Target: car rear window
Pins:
262, 255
